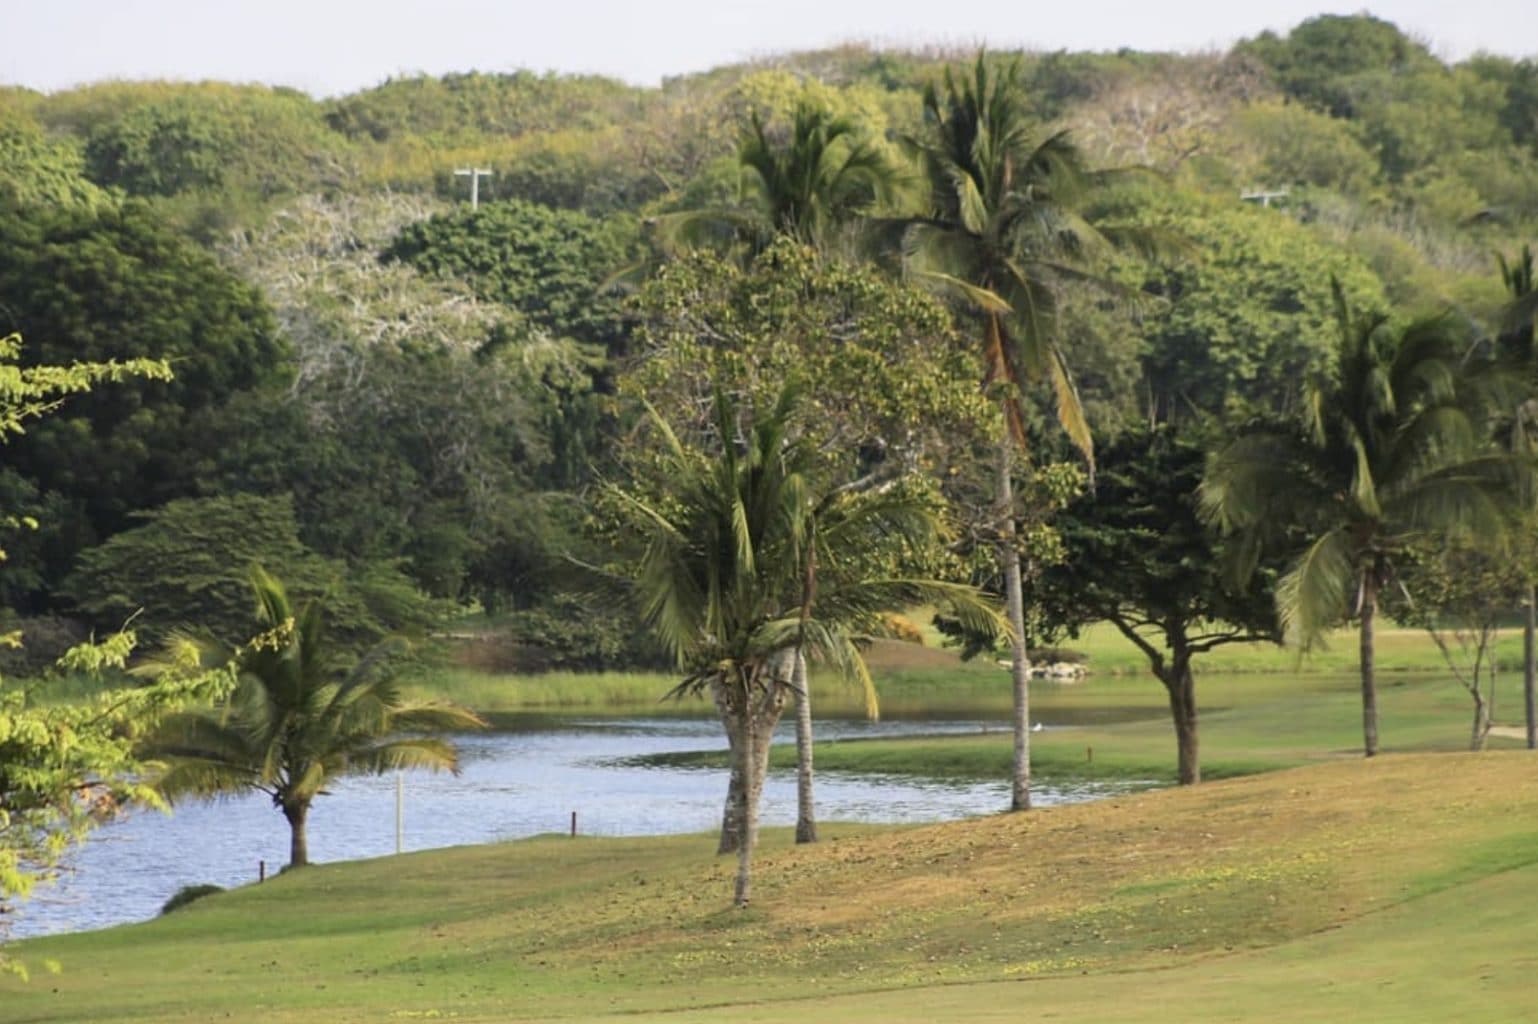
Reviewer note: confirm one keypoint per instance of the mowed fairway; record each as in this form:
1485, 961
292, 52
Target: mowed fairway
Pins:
1395, 889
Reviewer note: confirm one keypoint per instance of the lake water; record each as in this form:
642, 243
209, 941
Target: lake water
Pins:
513, 784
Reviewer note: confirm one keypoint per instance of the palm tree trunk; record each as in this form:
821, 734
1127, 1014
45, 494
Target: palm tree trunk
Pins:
298, 842
1014, 596
748, 816
1369, 680
806, 815
731, 815
1530, 665
749, 711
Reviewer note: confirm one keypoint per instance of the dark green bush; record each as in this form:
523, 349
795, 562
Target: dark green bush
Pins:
571, 633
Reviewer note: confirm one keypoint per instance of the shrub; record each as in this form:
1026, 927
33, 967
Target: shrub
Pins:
567, 633
189, 894
44, 639
900, 627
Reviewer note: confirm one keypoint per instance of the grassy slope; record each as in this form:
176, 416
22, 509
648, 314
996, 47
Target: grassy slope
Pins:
1384, 890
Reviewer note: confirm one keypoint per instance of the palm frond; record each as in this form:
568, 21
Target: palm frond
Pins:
1312, 597
984, 299
191, 778
412, 753
1070, 409
435, 717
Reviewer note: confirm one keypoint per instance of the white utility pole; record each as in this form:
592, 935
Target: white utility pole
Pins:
400, 810
475, 174
1262, 197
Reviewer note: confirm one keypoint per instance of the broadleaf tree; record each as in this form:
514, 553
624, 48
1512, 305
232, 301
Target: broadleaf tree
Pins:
1138, 555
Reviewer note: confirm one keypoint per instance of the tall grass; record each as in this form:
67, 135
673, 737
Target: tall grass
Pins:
919, 685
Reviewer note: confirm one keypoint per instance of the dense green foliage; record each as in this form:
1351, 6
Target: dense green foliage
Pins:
1138, 556
37, 169
1245, 318
93, 284
1390, 452
66, 766
543, 262
188, 567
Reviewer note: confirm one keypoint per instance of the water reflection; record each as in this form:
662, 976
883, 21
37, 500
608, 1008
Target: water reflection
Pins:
513, 784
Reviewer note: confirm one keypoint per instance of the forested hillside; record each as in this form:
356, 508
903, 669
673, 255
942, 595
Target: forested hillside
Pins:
416, 405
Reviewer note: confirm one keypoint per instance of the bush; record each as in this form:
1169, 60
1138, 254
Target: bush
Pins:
567, 633
44, 639
189, 894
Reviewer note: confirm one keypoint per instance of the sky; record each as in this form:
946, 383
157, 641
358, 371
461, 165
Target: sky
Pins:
330, 47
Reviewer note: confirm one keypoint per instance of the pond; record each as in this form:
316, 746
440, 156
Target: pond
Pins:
514, 783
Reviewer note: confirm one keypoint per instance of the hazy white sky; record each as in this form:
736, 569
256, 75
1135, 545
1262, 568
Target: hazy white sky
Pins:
332, 46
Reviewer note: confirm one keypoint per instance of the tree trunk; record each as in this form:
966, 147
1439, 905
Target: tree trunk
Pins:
731, 820
1019, 663
298, 843
1481, 721
748, 815
1495, 664
1369, 680
1530, 665
1181, 684
806, 815
749, 708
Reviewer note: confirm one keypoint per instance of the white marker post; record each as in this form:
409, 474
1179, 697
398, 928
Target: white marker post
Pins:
400, 810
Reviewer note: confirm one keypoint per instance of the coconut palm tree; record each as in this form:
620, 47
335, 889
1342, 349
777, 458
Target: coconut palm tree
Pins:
1007, 231
1391, 450
821, 178
723, 581
298, 720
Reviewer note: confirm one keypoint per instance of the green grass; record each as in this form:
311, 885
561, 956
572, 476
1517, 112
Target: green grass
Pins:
1262, 708
1122, 731
1388, 889
1398, 650
1383, 890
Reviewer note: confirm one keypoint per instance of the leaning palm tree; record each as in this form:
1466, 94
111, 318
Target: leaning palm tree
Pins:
1006, 230
1391, 450
297, 720
723, 579
821, 178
